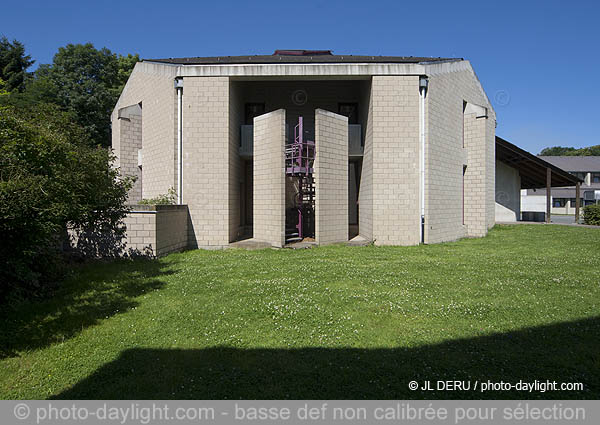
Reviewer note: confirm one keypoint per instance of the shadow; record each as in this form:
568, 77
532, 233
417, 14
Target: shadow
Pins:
103, 240
563, 352
192, 241
96, 291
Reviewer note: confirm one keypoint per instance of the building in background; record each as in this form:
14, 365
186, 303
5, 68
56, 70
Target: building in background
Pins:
519, 171
586, 168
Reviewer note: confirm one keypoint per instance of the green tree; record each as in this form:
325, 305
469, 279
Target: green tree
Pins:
590, 151
3, 91
569, 151
39, 89
50, 178
125, 66
85, 81
13, 64
556, 151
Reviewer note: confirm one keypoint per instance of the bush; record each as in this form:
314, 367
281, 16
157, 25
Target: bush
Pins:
50, 177
170, 198
591, 215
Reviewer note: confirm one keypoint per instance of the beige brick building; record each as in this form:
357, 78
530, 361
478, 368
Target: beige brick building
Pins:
400, 150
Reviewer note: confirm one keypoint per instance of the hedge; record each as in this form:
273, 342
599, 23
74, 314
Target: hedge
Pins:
591, 215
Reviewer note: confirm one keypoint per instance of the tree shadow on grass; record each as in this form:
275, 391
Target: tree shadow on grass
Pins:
562, 352
97, 291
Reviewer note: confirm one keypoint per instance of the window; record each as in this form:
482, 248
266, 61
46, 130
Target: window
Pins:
595, 177
349, 110
579, 174
559, 202
463, 193
463, 124
574, 202
253, 110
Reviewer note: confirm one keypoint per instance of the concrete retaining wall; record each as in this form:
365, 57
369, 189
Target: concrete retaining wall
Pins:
156, 230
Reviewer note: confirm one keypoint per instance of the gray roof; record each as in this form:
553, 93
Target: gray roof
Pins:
319, 58
563, 192
574, 163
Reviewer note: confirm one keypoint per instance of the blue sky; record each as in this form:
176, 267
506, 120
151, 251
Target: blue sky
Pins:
539, 62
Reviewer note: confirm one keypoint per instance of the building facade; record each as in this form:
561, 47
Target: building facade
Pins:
399, 150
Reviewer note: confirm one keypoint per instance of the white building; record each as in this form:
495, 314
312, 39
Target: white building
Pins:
563, 200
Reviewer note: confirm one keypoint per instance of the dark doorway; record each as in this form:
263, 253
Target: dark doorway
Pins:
354, 174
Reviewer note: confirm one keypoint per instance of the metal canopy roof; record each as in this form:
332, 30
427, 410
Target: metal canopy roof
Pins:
532, 169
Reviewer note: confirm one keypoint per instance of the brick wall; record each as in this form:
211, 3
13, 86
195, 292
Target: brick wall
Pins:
331, 177
156, 230
444, 156
475, 183
395, 145
130, 138
206, 159
171, 228
150, 231
269, 178
115, 127
152, 85
490, 170
365, 193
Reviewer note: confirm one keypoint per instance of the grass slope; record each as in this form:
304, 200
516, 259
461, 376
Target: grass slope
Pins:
332, 322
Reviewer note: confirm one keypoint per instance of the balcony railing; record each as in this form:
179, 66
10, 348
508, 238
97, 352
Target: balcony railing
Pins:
355, 145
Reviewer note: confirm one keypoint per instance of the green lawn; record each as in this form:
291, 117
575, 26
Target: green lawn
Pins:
333, 322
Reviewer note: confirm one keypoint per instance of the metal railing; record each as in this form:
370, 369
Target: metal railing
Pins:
355, 145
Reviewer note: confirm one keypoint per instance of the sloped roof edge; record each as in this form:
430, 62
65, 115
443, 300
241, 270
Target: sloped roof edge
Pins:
532, 169
290, 59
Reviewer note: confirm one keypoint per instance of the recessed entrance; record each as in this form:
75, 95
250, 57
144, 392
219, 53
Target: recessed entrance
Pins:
299, 98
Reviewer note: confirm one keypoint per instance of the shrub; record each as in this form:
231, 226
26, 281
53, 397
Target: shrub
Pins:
170, 198
591, 215
49, 177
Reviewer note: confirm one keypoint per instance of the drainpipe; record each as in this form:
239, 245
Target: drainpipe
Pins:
423, 82
179, 87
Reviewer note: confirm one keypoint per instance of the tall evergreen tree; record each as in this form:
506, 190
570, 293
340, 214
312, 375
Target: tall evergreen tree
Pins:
13, 64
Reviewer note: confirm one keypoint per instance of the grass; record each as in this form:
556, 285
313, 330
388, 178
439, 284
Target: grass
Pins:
331, 322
